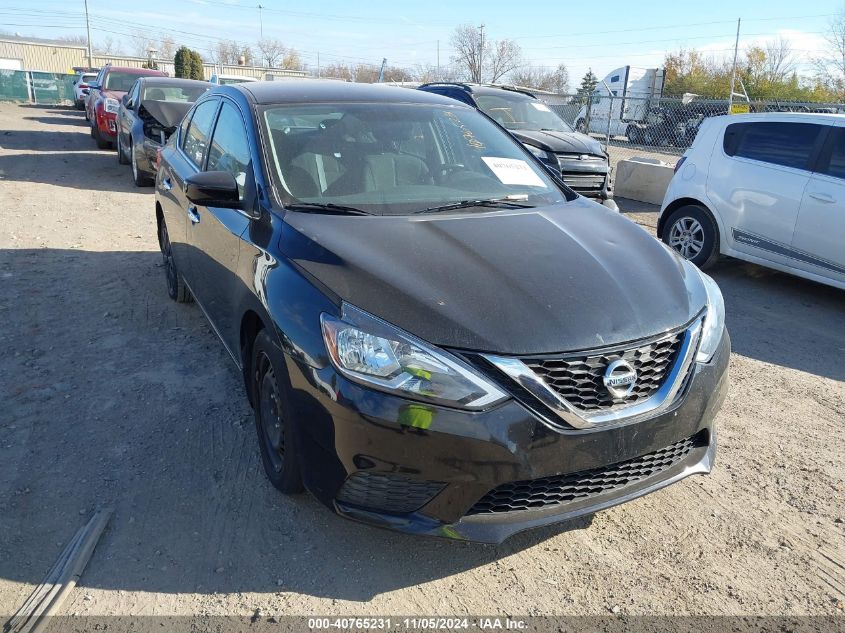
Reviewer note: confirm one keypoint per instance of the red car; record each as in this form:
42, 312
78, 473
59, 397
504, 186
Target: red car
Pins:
104, 99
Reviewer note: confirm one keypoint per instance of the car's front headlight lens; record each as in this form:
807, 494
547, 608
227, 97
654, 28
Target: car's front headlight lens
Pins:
112, 105
714, 320
539, 153
371, 351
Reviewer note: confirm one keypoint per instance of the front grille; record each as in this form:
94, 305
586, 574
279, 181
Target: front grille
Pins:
583, 182
551, 491
578, 379
393, 494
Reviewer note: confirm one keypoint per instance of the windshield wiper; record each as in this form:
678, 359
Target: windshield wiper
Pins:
327, 206
507, 201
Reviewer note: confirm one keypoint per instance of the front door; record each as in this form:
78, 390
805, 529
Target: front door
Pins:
819, 241
214, 233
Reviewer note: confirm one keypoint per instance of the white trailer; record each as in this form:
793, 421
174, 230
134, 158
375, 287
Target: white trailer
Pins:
622, 101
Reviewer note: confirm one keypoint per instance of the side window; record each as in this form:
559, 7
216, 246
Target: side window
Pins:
195, 140
133, 95
832, 161
229, 150
780, 143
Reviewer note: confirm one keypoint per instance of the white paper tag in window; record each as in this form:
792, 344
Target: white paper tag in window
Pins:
542, 107
512, 171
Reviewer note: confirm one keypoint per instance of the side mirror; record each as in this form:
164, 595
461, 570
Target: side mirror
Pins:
213, 189
93, 85
125, 100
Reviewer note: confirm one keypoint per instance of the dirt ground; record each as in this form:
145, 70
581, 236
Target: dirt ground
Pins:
112, 395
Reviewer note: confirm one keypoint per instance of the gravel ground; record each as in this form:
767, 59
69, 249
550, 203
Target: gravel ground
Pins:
114, 395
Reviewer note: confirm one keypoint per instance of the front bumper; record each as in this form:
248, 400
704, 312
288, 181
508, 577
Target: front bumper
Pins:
431, 466
590, 178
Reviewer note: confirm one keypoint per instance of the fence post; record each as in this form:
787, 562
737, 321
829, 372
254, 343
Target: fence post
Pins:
609, 114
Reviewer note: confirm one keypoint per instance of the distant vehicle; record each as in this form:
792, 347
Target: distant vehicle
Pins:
80, 88
436, 336
766, 188
580, 160
149, 113
635, 92
103, 101
225, 80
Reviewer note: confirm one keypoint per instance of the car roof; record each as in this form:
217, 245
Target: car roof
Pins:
136, 71
804, 117
483, 89
330, 91
172, 81
243, 77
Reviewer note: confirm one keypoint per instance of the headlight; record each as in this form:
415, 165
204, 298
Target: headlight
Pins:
112, 105
714, 320
539, 153
373, 352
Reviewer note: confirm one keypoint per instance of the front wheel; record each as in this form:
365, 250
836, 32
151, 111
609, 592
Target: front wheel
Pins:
692, 232
140, 177
176, 288
273, 419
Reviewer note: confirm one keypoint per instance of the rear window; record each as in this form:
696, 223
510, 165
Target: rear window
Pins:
121, 82
779, 143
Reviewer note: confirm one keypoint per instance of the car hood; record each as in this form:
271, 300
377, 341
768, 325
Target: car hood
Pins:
168, 114
529, 281
560, 142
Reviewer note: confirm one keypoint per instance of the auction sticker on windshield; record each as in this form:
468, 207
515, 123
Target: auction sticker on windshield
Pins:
512, 171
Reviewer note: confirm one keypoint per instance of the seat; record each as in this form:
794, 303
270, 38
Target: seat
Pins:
155, 94
388, 170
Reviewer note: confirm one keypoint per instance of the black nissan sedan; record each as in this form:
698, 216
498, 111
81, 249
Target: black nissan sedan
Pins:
436, 334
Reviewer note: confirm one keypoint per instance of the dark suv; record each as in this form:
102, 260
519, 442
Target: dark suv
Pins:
582, 161
436, 335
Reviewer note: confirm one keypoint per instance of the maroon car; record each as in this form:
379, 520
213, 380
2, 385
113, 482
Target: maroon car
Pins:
104, 99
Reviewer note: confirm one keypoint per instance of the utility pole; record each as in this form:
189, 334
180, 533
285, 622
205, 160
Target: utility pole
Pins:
88, 28
260, 23
381, 72
733, 72
481, 54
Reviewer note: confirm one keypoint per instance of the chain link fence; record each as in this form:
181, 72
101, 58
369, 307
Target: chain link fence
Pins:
657, 128
36, 87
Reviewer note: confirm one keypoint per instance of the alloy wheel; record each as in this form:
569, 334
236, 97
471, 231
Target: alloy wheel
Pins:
270, 412
687, 237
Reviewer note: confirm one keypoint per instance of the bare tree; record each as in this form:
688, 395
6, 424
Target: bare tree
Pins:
504, 56
292, 60
142, 42
229, 52
337, 71
272, 51
108, 46
166, 47
468, 43
542, 78
830, 67
780, 60
480, 58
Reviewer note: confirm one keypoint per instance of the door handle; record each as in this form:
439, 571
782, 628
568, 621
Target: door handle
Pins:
167, 184
193, 214
822, 197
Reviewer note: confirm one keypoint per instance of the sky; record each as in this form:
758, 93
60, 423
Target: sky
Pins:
600, 35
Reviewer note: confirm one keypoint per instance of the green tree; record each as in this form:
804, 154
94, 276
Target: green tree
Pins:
587, 87
197, 71
182, 62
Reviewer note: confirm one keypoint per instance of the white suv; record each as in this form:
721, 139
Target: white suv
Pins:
767, 188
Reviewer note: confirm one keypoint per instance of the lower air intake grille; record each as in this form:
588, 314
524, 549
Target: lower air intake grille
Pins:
393, 494
550, 491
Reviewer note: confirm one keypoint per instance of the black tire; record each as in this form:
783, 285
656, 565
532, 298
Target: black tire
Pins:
121, 157
139, 177
274, 423
176, 288
688, 225
101, 142
634, 134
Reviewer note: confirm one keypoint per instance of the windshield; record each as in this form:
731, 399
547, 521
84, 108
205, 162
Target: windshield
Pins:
121, 82
183, 94
519, 112
226, 81
393, 159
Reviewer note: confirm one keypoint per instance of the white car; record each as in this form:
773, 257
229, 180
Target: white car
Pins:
225, 80
80, 88
766, 188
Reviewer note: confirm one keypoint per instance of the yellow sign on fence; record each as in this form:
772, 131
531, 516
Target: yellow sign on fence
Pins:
740, 108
